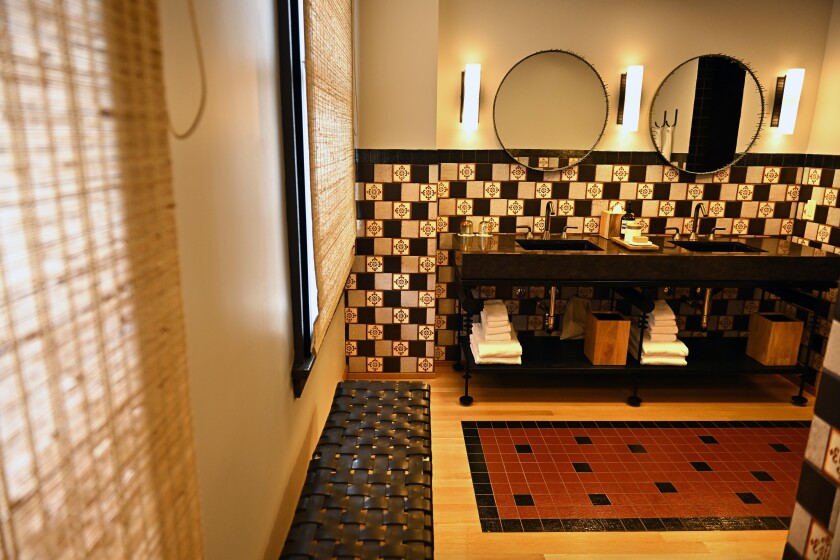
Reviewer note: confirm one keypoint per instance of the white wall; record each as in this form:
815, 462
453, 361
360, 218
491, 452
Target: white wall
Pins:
825, 135
396, 73
252, 437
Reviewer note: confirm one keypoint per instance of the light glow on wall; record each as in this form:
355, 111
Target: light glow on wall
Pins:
470, 86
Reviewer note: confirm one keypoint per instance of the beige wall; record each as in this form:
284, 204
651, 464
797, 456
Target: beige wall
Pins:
825, 134
614, 34
252, 437
396, 70
771, 35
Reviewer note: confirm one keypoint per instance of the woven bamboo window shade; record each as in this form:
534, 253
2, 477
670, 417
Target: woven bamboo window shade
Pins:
96, 446
329, 85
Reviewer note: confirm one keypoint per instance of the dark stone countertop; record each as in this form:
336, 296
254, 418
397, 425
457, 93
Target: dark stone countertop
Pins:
499, 258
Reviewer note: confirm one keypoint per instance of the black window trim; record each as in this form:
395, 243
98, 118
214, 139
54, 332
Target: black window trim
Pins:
294, 135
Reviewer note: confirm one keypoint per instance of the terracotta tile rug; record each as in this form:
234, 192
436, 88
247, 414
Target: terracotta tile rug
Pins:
635, 476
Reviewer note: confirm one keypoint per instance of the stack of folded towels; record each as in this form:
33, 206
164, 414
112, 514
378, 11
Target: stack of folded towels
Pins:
493, 340
659, 343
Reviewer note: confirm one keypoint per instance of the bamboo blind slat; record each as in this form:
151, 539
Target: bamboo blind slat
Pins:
329, 85
96, 446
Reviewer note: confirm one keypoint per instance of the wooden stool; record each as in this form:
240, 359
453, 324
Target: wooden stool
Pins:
606, 339
774, 339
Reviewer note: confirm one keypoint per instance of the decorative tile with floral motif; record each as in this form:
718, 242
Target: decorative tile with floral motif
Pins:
771, 175
517, 172
594, 190
543, 190
644, 191
466, 172
402, 173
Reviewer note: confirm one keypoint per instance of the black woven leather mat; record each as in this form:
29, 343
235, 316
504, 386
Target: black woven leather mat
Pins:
368, 490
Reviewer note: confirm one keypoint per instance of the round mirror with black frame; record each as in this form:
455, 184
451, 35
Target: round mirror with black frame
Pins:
550, 110
707, 113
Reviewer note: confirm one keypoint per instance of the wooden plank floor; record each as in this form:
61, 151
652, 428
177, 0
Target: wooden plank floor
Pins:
598, 397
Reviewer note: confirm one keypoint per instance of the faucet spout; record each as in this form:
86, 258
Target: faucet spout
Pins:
549, 211
695, 224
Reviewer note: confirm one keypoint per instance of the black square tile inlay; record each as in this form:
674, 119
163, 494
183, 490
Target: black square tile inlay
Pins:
524, 448
523, 499
708, 439
762, 476
582, 467
701, 466
583, 440
665, 487
636, 448
780, 447
748, 497
599, 500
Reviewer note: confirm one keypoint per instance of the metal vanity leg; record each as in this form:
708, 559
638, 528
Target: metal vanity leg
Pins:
800, 399
635, 400
459, 365
466, 399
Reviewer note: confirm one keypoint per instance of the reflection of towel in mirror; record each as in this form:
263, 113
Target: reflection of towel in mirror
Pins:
656, 133
667, 141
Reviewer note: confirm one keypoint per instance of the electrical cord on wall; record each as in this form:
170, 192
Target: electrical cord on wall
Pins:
203, 76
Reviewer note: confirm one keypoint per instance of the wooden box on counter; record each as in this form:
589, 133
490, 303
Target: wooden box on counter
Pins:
610, 225
606, 339
774, 339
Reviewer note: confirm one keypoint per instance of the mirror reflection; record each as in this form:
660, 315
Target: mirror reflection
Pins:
550, 110
707, 113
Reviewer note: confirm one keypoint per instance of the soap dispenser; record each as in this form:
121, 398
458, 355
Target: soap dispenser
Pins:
627, 218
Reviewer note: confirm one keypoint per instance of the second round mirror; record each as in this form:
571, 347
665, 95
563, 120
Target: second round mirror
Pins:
707, 113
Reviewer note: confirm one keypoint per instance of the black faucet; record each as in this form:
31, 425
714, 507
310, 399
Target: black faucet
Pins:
696, 223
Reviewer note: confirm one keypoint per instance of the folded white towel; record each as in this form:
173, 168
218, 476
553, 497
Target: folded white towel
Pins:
663, 361
479, 360
675, 348
662, 312
494, 326
496, 348
495, 310
482, 334
664, 329
654, 322
656, 337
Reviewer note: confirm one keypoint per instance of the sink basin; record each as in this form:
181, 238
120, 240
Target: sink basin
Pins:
557, 245
717, 247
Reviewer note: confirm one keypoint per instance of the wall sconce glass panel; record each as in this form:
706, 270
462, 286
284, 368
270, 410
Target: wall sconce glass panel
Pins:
470, 85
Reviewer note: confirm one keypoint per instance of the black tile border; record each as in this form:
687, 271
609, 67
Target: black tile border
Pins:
489, 515
436, 157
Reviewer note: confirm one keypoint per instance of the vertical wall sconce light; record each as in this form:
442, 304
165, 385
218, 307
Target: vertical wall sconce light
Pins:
630, 98
470, 82
786, 102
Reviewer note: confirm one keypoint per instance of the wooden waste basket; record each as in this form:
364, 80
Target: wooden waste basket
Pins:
606, 338
774, 339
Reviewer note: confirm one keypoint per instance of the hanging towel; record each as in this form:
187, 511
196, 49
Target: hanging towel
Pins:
482, 333
667, 141
662, 361
496, 349
656, 133
494, 326
505, 361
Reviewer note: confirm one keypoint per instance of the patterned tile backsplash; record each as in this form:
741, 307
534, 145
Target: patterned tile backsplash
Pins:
401, 311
